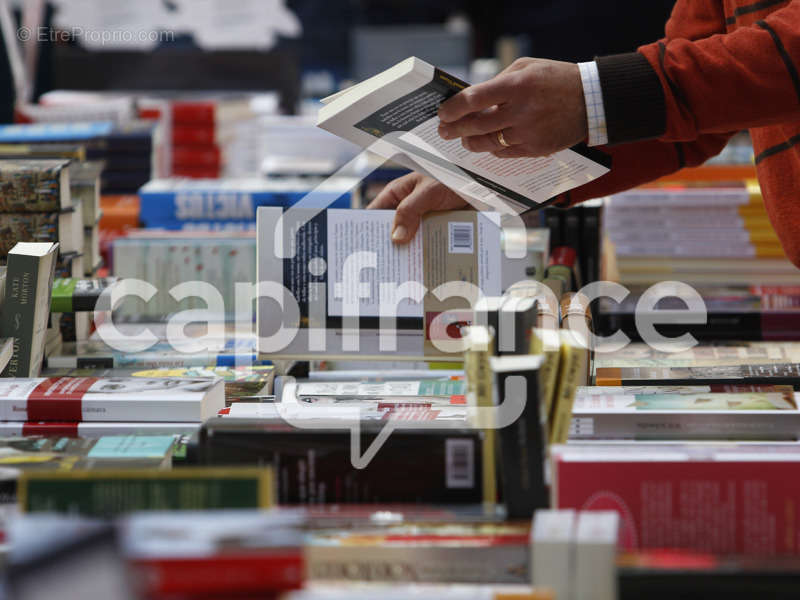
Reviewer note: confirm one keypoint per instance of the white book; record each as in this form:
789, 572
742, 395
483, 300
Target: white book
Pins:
395, 113
6, 351
129, 399
95, 429
595, 576
552, 538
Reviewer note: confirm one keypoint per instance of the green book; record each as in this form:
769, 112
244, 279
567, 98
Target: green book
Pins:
71, 294
112, 492
29, 281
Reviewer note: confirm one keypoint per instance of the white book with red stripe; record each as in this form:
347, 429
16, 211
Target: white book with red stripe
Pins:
109, 399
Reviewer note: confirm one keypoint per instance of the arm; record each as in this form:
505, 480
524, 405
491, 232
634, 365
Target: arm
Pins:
717, 84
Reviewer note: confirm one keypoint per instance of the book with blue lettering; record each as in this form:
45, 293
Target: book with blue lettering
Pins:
195, 203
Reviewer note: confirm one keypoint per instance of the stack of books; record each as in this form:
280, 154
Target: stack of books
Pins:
708, 235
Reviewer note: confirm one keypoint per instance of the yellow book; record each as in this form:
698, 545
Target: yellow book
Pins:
480, 393
546, 342
572, 373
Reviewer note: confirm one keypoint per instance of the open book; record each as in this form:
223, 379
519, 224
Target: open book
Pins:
395, 113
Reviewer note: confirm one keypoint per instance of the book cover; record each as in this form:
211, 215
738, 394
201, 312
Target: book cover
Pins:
743, 415
451, 246
110, 399
29, 281
432, 553
736, 499
30, 186
523, 443
441, 465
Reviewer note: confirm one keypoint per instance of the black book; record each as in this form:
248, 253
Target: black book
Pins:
731, 315
768, 374
523, 442
313, 466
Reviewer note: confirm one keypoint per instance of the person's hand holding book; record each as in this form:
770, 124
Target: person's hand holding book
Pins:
534, 108
413, 195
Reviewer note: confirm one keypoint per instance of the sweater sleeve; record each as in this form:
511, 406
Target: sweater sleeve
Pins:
640, 162
680, 88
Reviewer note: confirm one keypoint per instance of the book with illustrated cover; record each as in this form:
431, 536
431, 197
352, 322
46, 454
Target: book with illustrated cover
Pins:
399, 109
34, 186
240, 381
731, 415
41, 227
79, 399
731, 499
758, 374
433, 553
29, 280
61, 453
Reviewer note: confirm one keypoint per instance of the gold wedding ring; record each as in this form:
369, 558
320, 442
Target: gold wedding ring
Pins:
501, 138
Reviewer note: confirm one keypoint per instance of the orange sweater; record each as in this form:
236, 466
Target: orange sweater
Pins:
724, 66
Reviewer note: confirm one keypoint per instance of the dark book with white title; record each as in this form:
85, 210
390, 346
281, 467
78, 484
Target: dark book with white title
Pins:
29, 281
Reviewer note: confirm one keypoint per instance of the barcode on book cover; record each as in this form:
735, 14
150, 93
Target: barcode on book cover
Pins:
460, 467
461, 238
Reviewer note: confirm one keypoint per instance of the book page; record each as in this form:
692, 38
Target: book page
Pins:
411, 124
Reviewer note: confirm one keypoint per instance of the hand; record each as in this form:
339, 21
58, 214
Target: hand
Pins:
413, 195
537, 104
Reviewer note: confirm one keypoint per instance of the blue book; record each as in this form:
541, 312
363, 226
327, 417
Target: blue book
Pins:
171, 203
54, 132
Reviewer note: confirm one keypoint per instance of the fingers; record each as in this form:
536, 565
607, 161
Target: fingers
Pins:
408, 215
394, 192
489, 142
476, 98
493, 119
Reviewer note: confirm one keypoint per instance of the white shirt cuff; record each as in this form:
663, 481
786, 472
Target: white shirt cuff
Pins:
593, 96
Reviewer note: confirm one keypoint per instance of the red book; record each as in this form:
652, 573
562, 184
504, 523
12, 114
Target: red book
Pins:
196, 172
193, 111
196, 156
186, 135
234, 573
724, 499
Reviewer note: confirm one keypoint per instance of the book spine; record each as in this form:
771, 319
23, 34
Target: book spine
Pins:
185, 135
195, 158
572, 374
696, 425
108, 493
523, 446
472, 563
19, 313
254, 572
